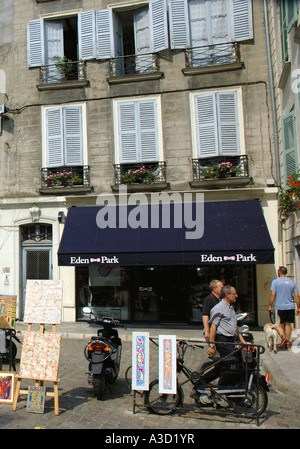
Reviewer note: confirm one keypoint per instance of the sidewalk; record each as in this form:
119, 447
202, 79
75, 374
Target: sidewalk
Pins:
284, 367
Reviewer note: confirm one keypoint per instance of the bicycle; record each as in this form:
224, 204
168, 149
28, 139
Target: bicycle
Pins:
239, 389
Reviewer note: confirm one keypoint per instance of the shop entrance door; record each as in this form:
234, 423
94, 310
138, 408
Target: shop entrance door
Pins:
174, 295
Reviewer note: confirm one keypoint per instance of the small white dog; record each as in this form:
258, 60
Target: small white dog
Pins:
271, 334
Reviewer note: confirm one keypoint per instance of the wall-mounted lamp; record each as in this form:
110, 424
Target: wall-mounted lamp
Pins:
61, 217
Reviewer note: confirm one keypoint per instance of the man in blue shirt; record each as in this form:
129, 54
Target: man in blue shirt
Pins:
284, 292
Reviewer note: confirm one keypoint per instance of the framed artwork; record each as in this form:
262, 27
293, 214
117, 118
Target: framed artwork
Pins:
43, 302
167, 355
36, 399
7, 387
40, 356
140, 361
8, 311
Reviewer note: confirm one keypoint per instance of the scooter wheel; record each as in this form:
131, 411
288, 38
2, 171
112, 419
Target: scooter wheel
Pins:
161, 403
99, 385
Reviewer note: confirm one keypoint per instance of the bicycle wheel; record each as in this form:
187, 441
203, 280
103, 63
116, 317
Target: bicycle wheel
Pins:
128, 376
161, 404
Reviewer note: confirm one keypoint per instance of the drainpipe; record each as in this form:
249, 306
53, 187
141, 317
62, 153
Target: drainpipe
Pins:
273, 110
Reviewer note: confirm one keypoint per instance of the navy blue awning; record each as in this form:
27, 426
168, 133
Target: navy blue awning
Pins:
235, 232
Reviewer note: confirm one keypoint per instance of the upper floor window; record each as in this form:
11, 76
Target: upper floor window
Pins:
290, 158
218, 124
288, 15
195, 23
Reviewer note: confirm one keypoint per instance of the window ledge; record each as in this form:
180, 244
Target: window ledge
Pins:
65, 85
284, 74
223, 183
157, 186
65, 190
134, 78
212, 69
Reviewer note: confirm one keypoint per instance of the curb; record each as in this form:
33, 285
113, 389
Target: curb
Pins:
278, 379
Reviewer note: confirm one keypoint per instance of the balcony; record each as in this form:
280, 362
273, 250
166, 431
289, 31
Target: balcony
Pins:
66, 179
134, 68
205, 177
149, 176
63, 75
212, 58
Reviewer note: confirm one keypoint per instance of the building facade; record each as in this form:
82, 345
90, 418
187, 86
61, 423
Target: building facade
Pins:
159, 97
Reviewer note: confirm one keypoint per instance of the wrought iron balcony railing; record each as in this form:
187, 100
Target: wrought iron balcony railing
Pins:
210, 55
56, 177
141, 173
63, 72
133, 65
204, 169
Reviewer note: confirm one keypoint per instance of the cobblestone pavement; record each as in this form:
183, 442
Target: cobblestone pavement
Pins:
79, 409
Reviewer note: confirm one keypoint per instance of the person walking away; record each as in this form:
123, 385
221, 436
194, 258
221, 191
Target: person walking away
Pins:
223, 324
209, 302
284, 293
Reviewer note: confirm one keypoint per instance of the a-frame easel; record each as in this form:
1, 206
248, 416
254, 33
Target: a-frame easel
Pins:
38, 382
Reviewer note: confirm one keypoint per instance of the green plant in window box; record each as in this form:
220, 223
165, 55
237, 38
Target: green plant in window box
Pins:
63, 65
141, 175
77, 180
289, 198
224, 169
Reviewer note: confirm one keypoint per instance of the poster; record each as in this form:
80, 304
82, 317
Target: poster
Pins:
167, 354
140, 361
40, 356
43, 303
8, 311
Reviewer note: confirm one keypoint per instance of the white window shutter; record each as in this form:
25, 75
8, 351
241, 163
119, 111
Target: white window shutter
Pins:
73, 135
54, 135
206, 123
228, 124
86, 35
242, 21
105, 34
35, 43
179, 28
148, 131
159, 25
128, 139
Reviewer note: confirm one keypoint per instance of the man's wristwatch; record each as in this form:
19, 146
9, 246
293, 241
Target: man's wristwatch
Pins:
212, 346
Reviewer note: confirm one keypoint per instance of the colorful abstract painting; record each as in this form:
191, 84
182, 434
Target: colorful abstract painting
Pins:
43, 303
40, 356
140, 361
7, 387
167, 350
8, 311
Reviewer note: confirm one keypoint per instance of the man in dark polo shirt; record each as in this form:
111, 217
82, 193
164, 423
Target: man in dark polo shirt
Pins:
223, 324
209, 302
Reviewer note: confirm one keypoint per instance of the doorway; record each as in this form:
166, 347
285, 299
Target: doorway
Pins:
36, 257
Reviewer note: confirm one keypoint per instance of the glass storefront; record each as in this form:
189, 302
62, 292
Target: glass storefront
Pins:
159, 294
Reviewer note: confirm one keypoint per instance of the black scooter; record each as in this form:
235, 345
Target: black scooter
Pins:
103, 354
9, 349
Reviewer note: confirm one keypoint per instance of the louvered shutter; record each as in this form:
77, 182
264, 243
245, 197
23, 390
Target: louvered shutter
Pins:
242, 21
159, 25
206, 123
105, 34
148, 131
289, 145
86, 35
54, 137
35, 43
73, 135
128, 139
179, 28
227, 124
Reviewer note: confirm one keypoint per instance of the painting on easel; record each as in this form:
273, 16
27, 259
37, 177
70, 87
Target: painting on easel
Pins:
43, 302
40, 356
